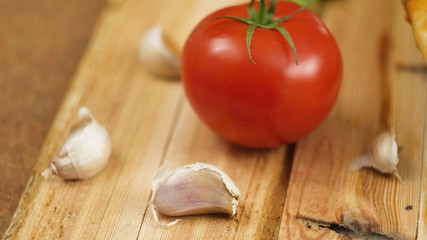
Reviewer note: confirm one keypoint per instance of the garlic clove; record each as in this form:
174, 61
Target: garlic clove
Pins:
188, 192
85, 152
158, 55
194, 189
382, 156
384, 153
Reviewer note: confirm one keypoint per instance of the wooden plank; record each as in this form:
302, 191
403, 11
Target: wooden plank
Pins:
261, 176
34, 76
422, 219
149, 122
384, 87
411, 75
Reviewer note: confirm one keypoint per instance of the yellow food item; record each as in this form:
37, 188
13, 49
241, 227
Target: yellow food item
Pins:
417, 16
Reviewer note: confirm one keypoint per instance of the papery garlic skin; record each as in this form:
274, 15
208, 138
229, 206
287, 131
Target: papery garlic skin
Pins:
86, 150
194, 189
382, 156
385, 153
229, 184
157, 56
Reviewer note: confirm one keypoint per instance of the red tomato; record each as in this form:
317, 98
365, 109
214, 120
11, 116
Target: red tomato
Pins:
274, 101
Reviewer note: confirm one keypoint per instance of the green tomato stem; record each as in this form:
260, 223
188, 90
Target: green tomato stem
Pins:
272, 8
252, 11
249, 36
263, 18
262, 12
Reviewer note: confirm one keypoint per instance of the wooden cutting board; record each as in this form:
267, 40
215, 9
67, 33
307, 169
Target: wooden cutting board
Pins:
302, 191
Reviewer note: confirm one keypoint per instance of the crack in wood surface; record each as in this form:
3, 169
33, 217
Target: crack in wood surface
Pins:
341, 229
277, 199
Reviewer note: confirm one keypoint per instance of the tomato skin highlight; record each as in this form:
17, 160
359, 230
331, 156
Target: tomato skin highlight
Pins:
274, 101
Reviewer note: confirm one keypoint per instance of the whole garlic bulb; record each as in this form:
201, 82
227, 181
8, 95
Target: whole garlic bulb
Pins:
85, 152
157, 54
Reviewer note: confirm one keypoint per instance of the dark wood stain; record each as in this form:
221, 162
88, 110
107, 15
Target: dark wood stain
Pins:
420, 69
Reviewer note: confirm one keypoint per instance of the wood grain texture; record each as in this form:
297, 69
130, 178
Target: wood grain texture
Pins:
382, 89
150, 122
422, 218
41, 43
261, 176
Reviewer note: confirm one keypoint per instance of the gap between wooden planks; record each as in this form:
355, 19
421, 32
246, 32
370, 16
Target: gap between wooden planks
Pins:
150, 122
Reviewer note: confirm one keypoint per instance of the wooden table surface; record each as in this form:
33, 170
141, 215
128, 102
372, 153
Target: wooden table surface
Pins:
41, 44
59, 55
